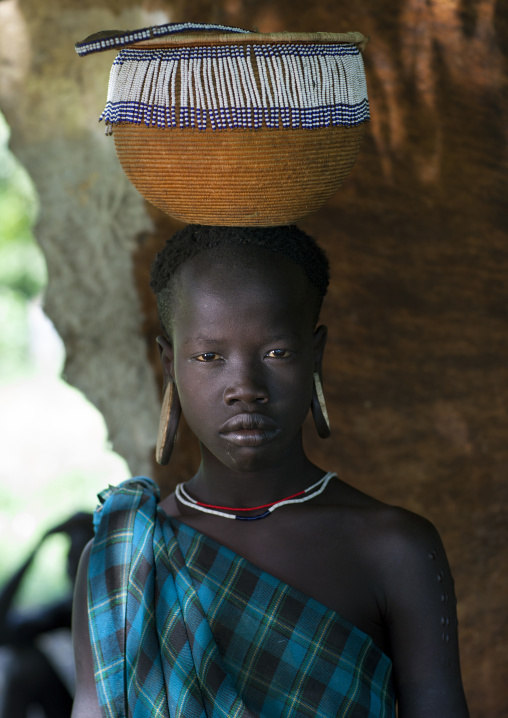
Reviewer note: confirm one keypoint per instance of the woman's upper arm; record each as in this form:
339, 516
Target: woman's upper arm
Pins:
422, 621
86, 704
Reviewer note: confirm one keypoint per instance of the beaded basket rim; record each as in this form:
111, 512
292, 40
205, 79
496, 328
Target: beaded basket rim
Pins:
117, 39
209, 38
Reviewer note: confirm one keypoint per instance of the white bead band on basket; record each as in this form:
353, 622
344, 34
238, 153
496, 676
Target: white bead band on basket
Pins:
239, 86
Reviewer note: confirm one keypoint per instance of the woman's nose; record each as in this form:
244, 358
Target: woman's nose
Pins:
248, 387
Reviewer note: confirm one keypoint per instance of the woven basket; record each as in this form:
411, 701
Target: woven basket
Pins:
204, 159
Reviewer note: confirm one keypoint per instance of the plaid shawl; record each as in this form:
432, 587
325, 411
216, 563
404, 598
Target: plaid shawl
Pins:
182, 627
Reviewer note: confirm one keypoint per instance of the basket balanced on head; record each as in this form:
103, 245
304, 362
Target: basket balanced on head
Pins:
221, 126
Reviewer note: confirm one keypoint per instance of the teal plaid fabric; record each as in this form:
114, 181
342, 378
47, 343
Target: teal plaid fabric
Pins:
182, 627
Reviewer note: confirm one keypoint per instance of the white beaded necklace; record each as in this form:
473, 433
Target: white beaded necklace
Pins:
298, 498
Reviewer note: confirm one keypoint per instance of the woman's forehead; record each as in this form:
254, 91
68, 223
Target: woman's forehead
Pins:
228, 273
213, 287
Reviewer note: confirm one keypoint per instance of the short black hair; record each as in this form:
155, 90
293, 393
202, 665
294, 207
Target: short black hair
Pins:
287, 240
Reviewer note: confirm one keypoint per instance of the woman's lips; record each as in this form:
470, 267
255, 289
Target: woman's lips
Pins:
249, 430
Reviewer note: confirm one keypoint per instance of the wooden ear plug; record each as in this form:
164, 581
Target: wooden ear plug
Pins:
318, 408
168, 424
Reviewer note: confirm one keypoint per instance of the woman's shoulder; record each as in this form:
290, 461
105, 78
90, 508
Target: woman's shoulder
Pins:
403, 557
395, 521
400, 532
403, 553
392, 536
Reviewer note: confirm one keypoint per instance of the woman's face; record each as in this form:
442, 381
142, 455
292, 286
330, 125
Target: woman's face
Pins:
243, 356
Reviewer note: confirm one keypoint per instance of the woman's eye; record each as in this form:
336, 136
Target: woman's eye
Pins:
208, 357
279, 354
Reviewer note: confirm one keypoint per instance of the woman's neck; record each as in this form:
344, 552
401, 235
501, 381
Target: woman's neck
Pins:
214, 483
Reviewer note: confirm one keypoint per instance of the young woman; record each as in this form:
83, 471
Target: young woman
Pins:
264, 586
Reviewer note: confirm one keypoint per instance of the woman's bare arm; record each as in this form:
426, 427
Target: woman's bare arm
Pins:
86, 704
420, 610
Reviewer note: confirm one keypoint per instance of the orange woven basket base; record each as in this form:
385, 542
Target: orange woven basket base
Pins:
237, 177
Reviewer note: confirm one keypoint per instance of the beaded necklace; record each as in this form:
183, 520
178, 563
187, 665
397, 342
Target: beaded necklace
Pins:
299, 498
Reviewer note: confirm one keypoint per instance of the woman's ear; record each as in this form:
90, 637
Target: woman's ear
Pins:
166, 355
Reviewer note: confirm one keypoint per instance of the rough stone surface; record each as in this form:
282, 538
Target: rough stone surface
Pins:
416, 376
90, 215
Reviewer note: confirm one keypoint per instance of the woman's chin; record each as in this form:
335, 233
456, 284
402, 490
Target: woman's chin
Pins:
247, 454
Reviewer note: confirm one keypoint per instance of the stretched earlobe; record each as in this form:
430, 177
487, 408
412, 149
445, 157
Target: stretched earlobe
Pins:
318, 408
166, 357
168, 424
